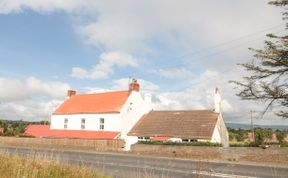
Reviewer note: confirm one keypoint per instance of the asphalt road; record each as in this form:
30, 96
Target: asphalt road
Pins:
126, 166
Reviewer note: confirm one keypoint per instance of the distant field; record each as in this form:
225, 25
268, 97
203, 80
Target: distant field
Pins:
20, 167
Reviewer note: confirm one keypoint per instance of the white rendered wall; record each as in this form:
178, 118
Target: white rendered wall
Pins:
216, 138
132, 111
220, 134
92, 122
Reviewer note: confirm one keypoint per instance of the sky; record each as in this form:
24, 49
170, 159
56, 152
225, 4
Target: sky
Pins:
179, 51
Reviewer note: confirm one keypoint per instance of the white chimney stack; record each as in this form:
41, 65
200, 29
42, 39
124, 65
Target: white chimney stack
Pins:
217, 101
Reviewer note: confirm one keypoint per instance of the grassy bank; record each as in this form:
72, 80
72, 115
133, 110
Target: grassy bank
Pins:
19, 167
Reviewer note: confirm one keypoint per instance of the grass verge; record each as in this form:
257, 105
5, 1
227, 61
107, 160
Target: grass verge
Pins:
19, 167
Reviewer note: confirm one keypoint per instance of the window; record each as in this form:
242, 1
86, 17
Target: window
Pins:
102, 123
83, 123
143, 138
65, 123
189, 140
129, 108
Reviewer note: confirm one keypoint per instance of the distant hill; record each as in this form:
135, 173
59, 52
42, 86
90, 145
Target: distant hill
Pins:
247, 126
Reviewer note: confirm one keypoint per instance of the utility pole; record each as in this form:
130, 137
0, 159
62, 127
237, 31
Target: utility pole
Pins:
252, 126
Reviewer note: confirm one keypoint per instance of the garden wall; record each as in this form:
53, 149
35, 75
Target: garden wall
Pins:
59, 143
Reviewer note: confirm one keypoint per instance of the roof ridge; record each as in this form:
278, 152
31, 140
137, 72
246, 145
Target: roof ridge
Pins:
102, 92
106, 102
182, 110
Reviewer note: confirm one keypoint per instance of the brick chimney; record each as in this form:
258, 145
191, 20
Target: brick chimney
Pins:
71, 93
134, 86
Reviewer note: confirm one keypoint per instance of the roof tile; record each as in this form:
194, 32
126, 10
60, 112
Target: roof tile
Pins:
109, 102
45, 131
190, 124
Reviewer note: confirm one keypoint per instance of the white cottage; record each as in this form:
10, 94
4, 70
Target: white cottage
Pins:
126, 115
116, 111
184, 125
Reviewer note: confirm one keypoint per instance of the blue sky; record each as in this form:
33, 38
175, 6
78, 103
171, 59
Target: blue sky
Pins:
178, 51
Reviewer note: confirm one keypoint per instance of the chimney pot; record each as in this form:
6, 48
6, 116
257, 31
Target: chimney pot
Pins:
71, 93
134, 86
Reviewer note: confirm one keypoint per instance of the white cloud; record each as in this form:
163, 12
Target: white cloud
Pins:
11, 89
28, 109
105, 67
17, 6
78, 72
31, 99
94, 90
52, 89
199, 95
141, 27
145, 86
175, 73
131, 25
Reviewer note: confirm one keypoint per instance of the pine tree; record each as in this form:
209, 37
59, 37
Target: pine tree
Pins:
268, 72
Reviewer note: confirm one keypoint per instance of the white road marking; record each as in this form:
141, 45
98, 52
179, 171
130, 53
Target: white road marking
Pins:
205, 173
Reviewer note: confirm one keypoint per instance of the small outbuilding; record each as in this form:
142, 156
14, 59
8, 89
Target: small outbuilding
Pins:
182, 126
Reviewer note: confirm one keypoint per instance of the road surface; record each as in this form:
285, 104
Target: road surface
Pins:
126, 166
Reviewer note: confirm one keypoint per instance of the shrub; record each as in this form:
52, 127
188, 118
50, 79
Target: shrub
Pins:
242, 144
280, 136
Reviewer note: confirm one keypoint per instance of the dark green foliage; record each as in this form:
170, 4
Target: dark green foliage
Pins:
280, 136
232, 136
279, 2
242, 144
239, 134
261, 135
268, 73
242, 134
17, 128
284, 144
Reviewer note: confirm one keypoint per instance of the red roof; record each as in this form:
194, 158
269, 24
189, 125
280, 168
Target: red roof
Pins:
45, 131
109, 102
160, 138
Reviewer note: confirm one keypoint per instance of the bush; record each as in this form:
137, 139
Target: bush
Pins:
280, 136
261, 135
245, 144
284, 144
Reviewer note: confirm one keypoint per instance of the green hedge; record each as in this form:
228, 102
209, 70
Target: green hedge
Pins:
253, 144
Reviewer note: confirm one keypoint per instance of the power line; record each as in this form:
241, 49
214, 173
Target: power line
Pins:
224, 43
